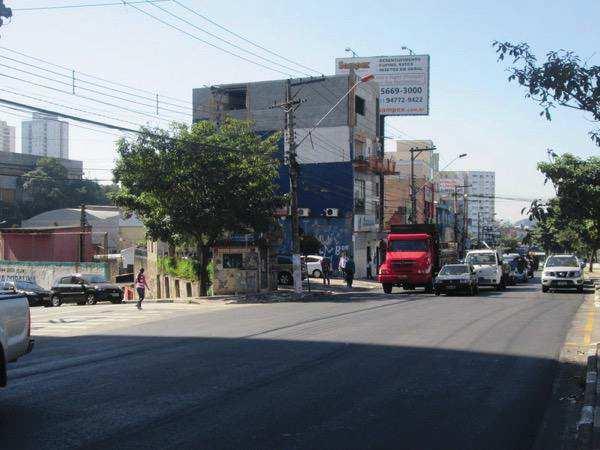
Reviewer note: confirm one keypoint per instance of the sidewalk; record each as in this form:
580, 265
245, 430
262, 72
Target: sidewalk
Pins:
283, 294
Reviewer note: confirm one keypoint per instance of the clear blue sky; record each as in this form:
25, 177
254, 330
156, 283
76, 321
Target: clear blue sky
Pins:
473, 108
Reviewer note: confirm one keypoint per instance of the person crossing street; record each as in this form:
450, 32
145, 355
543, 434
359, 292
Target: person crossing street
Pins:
141, 286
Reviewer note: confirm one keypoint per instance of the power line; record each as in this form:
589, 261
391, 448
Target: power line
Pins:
244, 39
226, 41
88, 5
193, 36
94, 77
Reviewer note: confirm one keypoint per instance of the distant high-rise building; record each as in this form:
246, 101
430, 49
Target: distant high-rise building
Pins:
7, 137
45, 135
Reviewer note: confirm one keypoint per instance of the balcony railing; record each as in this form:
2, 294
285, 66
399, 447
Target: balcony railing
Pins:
375, 164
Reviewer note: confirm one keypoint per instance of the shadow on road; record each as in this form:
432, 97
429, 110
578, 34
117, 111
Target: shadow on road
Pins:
169, 392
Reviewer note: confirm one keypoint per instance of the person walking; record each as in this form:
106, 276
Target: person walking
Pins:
141, 286
349, 271
342, 264
326, 266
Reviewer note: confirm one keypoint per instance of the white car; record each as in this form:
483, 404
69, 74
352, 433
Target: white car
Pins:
562, 272
488, 265
313, 266
15, 331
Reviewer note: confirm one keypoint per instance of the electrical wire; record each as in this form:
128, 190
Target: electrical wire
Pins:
88, 5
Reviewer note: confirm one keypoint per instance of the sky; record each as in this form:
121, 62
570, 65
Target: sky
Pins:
473, 108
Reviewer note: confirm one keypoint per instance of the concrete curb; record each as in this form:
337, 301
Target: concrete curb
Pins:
588, 427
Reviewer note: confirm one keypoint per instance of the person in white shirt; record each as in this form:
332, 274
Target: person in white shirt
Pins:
342, 263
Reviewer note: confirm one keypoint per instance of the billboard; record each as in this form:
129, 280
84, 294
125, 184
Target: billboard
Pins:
403, 81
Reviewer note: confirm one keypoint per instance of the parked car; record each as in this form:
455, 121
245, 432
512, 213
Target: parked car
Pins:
456, 278
85, 289
562, 272
36, 295
285, 268
314, 265
15, 331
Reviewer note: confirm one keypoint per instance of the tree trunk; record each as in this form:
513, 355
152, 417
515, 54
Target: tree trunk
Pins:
203, 258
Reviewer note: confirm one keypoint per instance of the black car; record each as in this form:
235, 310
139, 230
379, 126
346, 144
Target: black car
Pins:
85, 289
36, 295
456, 278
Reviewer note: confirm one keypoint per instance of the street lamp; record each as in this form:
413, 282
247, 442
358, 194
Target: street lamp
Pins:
349, 50
408, 50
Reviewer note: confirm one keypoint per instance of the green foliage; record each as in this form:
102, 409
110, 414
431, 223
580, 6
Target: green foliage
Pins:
563, 80
180, 268
48, 187
196, 184
571, 221
509, 244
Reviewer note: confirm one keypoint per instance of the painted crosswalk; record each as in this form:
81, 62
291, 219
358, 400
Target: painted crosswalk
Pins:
74, 320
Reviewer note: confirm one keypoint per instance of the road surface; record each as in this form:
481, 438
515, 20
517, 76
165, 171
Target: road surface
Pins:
366, 370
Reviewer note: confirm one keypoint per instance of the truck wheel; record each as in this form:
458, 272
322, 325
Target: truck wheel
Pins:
56, 301
90, 299
429, 288
387, 288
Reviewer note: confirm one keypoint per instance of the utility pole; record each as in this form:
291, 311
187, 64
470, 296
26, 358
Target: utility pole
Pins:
455, 195
414, 154
82, 225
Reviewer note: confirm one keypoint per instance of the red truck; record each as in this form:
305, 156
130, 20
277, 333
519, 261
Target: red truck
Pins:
413, 257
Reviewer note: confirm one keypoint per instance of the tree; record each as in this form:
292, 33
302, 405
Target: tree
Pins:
509, 244
577, 184
199, 183
563, 80
49, 187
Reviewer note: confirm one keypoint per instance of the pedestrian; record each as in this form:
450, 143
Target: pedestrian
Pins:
141, 286
349, 271
369, 268
342, 263
326, 266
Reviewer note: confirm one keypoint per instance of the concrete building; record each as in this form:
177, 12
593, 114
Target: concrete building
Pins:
110, 227
340, 193
481, 203
12, 167
425, 165
45, 135
7, 137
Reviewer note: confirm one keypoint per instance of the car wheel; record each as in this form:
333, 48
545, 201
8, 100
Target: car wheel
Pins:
285, 278
545, 289
55, 301
387, 288
317, 273
437, 293
116, 302
90, 299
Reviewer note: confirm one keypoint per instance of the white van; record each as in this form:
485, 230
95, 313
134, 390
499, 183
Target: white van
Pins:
488, 265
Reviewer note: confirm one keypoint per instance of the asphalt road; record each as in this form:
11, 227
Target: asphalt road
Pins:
404, 371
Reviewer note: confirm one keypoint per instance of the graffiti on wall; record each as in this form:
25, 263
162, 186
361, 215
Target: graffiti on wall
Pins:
44, 273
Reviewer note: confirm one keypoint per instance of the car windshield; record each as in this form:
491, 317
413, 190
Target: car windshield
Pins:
94, 278
26, 285
562, 261
454, 270
408, 246
481, 258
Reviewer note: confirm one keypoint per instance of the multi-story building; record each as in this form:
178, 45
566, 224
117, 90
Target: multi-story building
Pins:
481, 203
341, 164
45, 135
7, 137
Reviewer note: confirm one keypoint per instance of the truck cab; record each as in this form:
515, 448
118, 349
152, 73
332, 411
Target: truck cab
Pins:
412, 258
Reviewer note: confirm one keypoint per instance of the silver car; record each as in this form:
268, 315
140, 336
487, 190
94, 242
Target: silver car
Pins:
562, 272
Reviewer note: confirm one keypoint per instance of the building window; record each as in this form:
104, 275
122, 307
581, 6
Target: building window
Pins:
7, 196
232, 261
359, 105
236, 99
359, 150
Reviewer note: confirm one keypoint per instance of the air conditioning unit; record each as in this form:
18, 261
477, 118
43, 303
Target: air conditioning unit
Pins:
303, 212
332, 212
